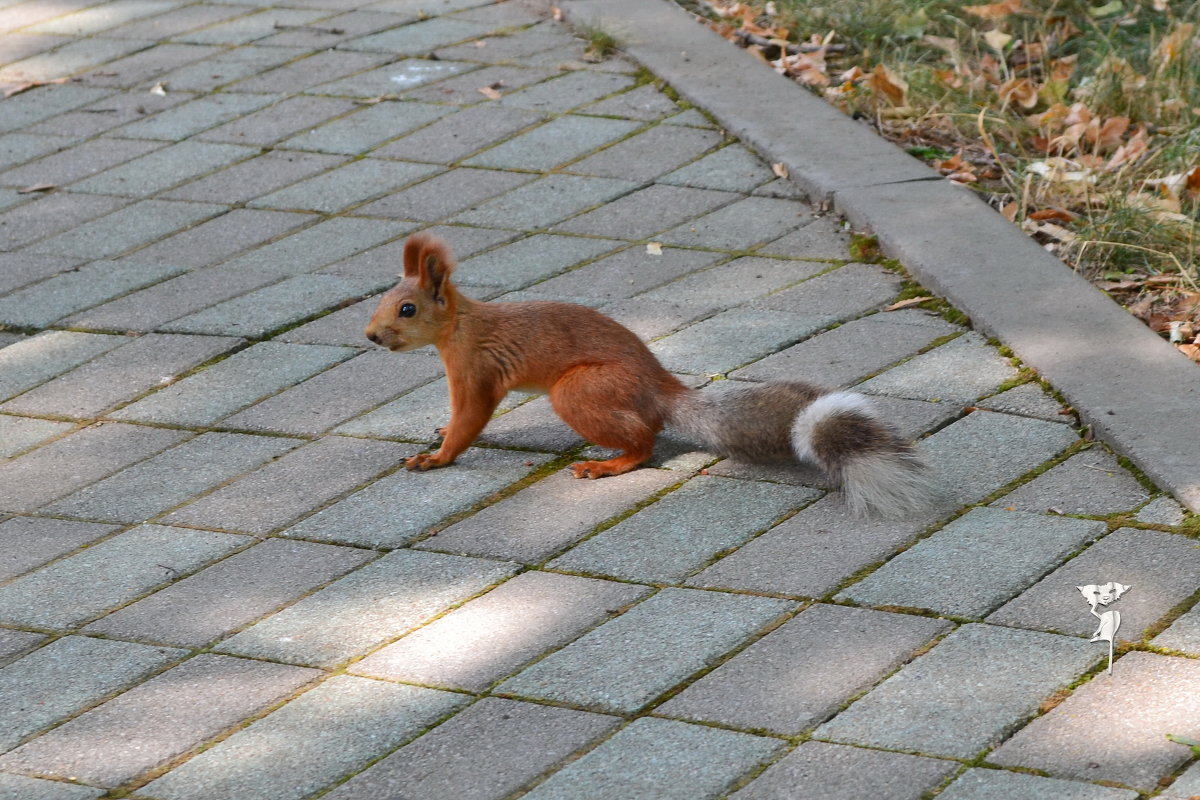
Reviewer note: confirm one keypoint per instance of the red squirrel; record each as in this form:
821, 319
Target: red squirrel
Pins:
606, 384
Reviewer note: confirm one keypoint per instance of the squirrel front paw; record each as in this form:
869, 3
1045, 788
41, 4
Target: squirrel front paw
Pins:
424, 461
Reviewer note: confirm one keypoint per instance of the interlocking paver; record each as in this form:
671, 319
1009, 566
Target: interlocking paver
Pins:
271, 125
744, 224
283, 490
552, 513
420, 37
334, 30
308, 71
505, 47
959, 371
14, 644
732, 338
72, 164
28, 542
684, 530
460, 134
567, 91
1183, 635
69, 292
836, 772
1161, 511
362, 130
1090, 483
445, 194
378, 602
18, 148
160, 719
250, 27
83, 457
644, 103
730, 169
545, 201
71, 59
493, 635
19, 787
112, 111
990, 784
318, 246
162, 482
744, 279
346, 185
1155, 698
34, 106
178, 21
129, 227
799, 674
648, 154
647, 211
54, 213
234, 592
971, 689
975, 563
628, 662
98, 18
120, 375
465, 89
554, 144
164, 168
230, 66
393, 77
67, 676
626, 273
527, 261
22, 433
823, 238
1164, 568
257, 176
232, 384
484, 753
31, 361
146, 66
325, 734
663, 759
384, 514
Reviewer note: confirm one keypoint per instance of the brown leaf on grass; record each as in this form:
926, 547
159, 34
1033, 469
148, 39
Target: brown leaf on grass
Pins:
996, 10
1131, 151
886, 83
1058, 214
1021, 91
1190, 350
37, 187
912, 301
1108, 136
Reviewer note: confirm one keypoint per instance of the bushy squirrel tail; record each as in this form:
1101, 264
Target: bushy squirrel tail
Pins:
840, 432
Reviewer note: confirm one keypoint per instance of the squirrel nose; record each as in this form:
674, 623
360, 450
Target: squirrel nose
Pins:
374, 337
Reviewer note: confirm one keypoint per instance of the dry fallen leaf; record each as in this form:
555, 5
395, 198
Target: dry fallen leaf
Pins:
997, 39
887, 83
370, 101
488, 92
780, 169
37, 187
25, 87
995, 10
912, 301
654, 248
556, 12
159, 89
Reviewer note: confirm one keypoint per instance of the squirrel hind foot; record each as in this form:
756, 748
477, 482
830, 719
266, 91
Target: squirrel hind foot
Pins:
603, 469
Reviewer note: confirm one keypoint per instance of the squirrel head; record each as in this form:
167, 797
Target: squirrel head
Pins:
417, 310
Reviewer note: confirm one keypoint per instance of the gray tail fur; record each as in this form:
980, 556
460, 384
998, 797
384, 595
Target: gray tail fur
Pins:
840, 432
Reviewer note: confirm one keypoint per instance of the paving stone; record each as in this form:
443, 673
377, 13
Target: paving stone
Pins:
304, 479
119, 375
106, 114
493, 635
1028, 400
836, 772
384, 514
29, 542
247, 180
647, 211
975, 563
164, 481
74, 290
18, 148
991, 784
255, 314
160, 719
1161, 511
176, 22
420, 37
164, 168
555, 143
387, 260
146, 309
958, 371
280, 121
29, 108
662, 759
1090, 483
373, 125
653, 318
824, 238
972, 689
848, 353
342, 327
232, 593
346, 390
832, 651
132, 226
743, 279
73, 163
458, 135
21, 433
529, 260
325, 243
531, 426
1162, 568
232, 384
67, 676
14, 644
730, 169
1148, 697
335, 30
464, 89
1186, 785
368, 607
348, 185
626, 663
325, 734
627, 272
1183, 635
230, 66
523, 527
483, 753
644, 103
18, 787
56, 212
411, 417
304, 73
545, 201
65, 465
782, 187
391, 78
109, 574
251, 27
17, 270
732, 338
850, 291
19, 46
70, 59
741, 225
30, 14
445, 194
684, 530
507, 46
649, 154
96, 19
568, 91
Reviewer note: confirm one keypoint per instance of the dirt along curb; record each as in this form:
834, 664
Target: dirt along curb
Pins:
1137, 392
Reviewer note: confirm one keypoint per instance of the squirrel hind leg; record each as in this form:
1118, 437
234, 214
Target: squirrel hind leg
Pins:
603, 406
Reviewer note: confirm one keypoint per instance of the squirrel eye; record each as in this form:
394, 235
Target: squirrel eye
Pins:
407, 310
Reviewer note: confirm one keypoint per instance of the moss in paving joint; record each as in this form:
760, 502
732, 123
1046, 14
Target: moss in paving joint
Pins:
1076, 447
864, 248
1164, 622
720, 554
